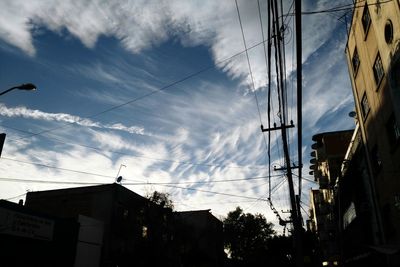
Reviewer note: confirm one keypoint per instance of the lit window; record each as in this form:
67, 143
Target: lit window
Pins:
393, 130
144, 231
378, 69
365, 106
355, 61
366, 19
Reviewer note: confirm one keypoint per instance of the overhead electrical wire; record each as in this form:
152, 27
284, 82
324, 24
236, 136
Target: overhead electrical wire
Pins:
17, 196
6, 179
137, 156
269, 92
139, 182
347, 7
251, 75
212, 192
164, 88
53, 167
132, 184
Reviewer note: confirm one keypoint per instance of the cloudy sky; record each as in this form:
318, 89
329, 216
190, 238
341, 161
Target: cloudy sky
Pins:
159, 92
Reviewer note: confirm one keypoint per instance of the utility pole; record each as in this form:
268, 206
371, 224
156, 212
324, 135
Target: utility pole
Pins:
297, 228
297, 221
294, 200
294, 212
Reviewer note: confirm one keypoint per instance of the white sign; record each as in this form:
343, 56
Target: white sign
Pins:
25, 225
349, 215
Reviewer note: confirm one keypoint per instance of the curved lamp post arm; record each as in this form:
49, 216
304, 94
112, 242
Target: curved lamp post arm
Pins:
25, 86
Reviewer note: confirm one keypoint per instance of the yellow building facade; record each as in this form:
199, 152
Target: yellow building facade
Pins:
373, 57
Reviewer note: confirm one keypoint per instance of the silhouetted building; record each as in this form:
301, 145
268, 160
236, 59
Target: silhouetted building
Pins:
31, 238
329, 151
130, 230
353, 202
200, 238
136, 231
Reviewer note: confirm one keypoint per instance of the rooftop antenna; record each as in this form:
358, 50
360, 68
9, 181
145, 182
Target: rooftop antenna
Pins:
118, 179
352, 114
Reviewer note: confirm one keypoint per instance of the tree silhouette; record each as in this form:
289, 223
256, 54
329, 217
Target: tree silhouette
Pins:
161, 199
246, 235
252, 241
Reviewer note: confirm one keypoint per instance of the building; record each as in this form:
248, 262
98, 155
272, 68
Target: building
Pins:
136, 231
373, 58
354, 203
328, 153
31, 238
133, 231
200, 238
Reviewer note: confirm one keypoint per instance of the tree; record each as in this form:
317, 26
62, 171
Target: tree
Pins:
162, 199
246, 237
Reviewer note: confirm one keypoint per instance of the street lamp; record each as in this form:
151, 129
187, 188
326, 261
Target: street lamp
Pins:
25, 86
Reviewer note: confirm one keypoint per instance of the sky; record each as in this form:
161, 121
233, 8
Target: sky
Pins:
161, 93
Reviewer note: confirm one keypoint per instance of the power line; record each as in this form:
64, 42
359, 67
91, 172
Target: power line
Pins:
212, 192
136, 156
267, 63
20, 195
131, 184
139, 182
212, 181
6, 179
252, 78
58, 168
217, 63
339, 8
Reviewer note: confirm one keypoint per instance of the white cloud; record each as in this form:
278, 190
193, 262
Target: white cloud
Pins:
66, 118
140, 25
215, 128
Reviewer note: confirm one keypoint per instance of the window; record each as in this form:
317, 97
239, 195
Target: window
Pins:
355, 61
389, 31
395, 74
376, 160
144, 231
364, 106
393, 130
366, 19
378, 69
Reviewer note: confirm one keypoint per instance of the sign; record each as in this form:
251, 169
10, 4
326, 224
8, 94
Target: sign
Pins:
25, 225
349, 215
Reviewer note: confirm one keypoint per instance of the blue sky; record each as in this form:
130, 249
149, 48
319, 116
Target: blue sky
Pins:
147, 84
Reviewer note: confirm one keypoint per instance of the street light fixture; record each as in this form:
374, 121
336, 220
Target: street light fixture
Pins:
25, 86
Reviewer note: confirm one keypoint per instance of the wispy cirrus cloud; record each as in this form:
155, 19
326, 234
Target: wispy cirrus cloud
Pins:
141, 25
27, 113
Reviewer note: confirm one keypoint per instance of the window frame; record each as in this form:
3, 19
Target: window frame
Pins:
378, 69
376, 159
393, 132
355, 56
364, 21
365, 106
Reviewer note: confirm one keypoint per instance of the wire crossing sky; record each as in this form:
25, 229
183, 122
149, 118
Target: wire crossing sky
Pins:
173, 90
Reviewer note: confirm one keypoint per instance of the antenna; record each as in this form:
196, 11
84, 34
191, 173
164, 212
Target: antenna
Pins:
352, 114
119, 178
